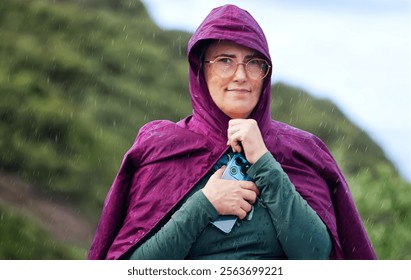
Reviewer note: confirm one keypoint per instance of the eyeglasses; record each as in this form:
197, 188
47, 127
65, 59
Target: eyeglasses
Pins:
257, 68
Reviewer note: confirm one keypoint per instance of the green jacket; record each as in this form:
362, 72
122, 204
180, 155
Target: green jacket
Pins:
282, 225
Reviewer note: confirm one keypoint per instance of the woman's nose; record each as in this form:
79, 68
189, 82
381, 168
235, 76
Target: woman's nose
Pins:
240, 72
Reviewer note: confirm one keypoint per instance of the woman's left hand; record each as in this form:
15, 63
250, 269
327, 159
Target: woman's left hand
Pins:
245, 134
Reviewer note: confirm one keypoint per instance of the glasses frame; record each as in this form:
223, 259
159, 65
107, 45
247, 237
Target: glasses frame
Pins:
242, 63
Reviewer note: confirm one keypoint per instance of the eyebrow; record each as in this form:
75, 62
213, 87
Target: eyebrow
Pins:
233, 56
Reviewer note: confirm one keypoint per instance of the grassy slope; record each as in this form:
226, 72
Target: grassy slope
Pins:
78, 80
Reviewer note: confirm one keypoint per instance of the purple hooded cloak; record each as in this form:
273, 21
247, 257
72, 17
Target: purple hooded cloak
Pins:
167, 159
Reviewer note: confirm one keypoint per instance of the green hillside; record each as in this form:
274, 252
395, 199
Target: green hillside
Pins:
79, 78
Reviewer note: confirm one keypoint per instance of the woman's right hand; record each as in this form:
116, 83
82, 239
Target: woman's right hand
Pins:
230, 197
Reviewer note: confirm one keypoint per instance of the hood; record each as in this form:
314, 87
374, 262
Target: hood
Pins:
234, 24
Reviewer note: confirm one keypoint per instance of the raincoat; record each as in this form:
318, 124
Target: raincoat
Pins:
167, 159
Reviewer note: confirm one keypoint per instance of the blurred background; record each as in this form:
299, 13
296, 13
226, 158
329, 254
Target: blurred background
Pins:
78, 78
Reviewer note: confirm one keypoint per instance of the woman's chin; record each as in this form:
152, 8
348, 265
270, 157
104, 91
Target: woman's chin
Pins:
238, 114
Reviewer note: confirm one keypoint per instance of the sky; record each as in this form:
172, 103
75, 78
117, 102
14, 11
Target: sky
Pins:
357, 53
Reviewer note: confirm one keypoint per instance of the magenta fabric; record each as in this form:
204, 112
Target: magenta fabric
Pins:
167, 159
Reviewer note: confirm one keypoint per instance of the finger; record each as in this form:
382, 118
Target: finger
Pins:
243, 210
247, 185
246, 206
250, 196
234, 122
233, 134
235, 141
236, 147
241, 213
219, 172
233, 129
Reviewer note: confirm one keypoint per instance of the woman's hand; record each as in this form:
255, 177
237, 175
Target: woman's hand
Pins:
230, 197
245, 134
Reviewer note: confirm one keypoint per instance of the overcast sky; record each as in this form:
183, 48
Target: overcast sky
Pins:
354, 52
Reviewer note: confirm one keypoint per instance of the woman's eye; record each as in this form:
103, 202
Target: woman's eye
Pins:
225, 60
255, 62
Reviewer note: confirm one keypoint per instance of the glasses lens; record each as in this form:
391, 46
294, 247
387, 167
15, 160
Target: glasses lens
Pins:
224, 66
257, 68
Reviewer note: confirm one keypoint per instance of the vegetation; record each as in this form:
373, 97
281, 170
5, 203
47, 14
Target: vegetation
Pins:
23, 239
79, 78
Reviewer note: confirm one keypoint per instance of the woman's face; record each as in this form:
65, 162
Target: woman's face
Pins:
238, 94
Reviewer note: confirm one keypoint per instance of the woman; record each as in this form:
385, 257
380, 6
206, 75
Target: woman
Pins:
169, 189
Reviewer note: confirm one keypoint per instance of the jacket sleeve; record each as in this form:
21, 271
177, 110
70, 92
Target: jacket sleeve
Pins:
300, 231
174, 239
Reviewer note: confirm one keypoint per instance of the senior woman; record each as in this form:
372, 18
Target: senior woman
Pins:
169, 189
